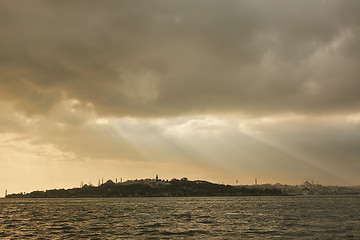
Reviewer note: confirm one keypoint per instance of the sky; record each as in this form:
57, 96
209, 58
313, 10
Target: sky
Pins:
223, 91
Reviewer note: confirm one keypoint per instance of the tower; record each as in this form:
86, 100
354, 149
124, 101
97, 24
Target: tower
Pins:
255, 181
157, 178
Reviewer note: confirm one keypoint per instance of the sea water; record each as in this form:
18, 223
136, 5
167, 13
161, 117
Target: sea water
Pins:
296, 217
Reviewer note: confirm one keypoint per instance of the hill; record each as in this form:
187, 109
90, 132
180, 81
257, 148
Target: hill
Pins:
150, 188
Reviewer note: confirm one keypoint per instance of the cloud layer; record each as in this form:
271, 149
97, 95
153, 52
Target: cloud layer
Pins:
169, 58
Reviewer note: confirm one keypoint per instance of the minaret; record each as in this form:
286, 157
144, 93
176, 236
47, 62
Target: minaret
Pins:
98, 182
5, 193
255, 181
120, 180
102, 180
157, 178
116, 180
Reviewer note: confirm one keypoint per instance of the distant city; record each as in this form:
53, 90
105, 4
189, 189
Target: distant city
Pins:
308, 188
157, 187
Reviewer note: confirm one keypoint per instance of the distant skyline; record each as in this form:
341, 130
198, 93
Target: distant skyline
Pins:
204, 89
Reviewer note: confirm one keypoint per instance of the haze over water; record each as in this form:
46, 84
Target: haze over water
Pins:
301, 217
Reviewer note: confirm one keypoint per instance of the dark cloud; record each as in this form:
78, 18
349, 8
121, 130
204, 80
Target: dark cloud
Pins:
166, 58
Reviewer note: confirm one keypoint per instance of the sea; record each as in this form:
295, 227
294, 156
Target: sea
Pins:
256, 217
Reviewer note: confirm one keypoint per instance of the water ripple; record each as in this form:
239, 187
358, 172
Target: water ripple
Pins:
314, 217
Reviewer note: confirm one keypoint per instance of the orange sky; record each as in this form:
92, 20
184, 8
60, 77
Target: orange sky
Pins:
217, 91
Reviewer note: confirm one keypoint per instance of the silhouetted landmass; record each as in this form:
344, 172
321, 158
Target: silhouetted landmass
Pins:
151, 188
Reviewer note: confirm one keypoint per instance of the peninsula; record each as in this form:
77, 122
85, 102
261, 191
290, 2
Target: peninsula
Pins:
151, 188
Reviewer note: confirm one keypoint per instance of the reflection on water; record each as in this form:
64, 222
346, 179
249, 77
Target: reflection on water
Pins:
322, 217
